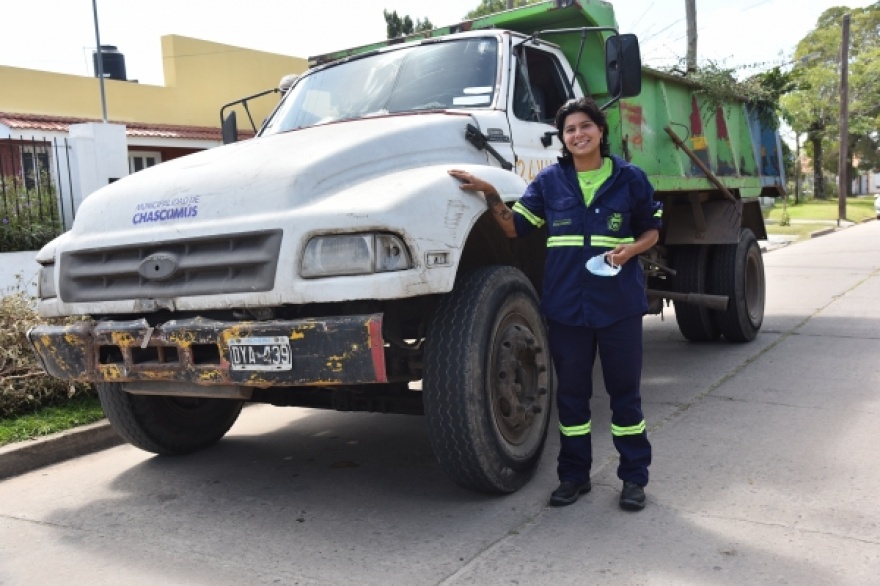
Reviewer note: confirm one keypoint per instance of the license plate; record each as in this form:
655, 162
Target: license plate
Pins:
260, 353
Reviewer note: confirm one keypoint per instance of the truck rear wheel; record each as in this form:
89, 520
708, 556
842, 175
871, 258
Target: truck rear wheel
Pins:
738, 271
167, 425
696, 323
488, 381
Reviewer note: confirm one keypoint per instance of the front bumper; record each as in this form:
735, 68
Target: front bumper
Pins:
338, 350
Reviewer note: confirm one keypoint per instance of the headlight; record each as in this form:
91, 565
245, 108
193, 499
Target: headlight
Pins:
354, 254
46, 282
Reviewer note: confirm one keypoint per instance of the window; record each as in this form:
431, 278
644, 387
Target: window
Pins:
430, 76
35, 166
140, 160
541, 87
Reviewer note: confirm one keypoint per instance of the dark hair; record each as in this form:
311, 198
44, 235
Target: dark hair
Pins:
588, 107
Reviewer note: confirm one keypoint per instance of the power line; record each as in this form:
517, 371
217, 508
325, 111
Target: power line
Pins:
762, 2
663, 30
648, 9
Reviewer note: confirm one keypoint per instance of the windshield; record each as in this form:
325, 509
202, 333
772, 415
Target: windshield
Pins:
454, 74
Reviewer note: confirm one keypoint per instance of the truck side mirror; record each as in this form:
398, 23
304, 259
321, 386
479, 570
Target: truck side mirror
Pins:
230, 129
623, 66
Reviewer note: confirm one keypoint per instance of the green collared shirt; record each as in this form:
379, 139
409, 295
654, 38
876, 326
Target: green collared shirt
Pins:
590, 181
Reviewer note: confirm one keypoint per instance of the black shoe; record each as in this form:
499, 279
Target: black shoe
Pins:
568, 492
632, 497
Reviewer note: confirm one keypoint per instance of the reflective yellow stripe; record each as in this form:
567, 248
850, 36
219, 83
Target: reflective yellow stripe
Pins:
575, 430
610, 241
658, 213
619, 431
529, 216
565, 241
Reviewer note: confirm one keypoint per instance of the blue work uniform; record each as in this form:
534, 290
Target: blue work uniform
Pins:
588, 313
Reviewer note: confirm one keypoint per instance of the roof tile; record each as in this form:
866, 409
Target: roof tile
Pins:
62, 124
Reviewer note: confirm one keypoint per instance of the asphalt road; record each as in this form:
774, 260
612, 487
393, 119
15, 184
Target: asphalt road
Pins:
765, 472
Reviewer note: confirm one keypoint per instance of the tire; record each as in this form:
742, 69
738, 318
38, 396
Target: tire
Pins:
738, 271
488, 381
695, 323
164, 425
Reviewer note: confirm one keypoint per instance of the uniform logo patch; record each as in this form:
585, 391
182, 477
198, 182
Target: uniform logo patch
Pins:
614, 222
566, 222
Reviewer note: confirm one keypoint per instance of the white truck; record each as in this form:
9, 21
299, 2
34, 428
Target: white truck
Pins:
332, 262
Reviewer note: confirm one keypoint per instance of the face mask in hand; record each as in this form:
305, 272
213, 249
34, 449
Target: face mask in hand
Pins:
601, 265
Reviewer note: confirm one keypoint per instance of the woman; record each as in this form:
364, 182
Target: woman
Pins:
594, 205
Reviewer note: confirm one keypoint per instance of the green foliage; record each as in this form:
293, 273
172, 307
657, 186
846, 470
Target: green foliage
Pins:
81, 410
814, 108
395, 26
28, 217
761, 92
492, 6
857, 210
788, 157
23, 384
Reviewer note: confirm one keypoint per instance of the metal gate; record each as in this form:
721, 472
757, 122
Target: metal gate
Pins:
36, 191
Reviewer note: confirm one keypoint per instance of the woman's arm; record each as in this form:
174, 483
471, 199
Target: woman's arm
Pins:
624, 252
499, 209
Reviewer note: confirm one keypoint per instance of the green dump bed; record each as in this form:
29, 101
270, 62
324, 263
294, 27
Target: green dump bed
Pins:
742, 152
729, 140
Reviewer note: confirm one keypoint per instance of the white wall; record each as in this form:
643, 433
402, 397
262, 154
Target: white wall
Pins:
18, 272
100, 155
866, 183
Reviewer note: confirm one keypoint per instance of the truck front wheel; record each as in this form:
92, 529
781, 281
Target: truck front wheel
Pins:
488, 380
167, 425
738, 271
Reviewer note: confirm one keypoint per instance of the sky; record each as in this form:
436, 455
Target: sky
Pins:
59, 35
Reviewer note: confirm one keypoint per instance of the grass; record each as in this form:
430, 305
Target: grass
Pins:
49, 420
802, 231
857, 209
814, 215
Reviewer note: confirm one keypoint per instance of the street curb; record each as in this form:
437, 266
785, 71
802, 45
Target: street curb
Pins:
26, 456
822, 232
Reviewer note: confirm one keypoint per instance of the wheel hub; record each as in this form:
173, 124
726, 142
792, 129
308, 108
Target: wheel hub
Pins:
518, 382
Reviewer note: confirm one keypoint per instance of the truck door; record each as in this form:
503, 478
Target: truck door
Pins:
539, 89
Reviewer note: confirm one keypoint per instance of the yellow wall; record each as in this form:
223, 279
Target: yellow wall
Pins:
200, 76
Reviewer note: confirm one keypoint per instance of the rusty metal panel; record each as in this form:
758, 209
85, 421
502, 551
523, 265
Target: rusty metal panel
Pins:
322, 351
707, 222
63, 351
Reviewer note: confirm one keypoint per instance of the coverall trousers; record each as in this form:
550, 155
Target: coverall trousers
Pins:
620, 351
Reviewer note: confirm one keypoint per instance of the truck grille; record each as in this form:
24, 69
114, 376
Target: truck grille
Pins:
214, 265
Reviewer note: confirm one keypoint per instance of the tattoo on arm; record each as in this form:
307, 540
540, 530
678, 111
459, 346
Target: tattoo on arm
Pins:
494, 200
498, 206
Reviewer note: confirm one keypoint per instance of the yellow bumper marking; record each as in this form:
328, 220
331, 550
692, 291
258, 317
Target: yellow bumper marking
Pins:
122, 339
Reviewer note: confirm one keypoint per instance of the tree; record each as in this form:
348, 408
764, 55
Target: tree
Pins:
814, 108
395, 26
493, 6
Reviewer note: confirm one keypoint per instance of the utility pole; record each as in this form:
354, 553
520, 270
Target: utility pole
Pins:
797, 167
843, 159
100, 61
509, 4
691, 14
